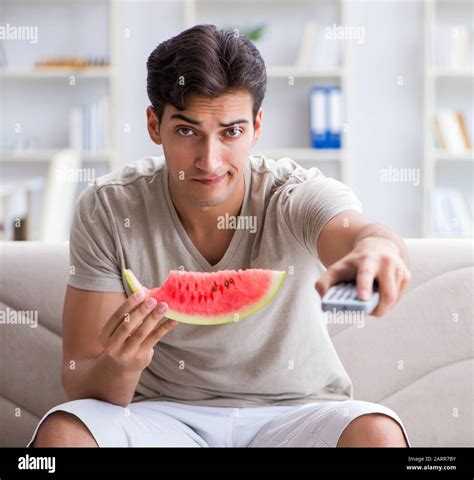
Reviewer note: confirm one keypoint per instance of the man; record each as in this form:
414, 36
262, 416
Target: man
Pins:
274, 379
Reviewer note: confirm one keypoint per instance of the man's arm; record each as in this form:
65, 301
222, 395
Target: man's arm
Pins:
84, 316
352, 247
340, 235
108, 340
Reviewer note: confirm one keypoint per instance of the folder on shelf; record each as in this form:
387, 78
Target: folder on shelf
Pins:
325, 117
335, 114
319, 122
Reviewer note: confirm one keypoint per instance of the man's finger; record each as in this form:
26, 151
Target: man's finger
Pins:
365, 278
387, 286
132, 344
123, 311
403, 278
129, 324
157, 334
334, 274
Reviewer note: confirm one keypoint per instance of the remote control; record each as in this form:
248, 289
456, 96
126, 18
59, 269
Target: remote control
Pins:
343, 297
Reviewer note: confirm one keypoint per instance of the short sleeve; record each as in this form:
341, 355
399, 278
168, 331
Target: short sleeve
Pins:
309, 204
92, 251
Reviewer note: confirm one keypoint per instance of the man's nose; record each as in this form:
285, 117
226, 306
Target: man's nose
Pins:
209, 157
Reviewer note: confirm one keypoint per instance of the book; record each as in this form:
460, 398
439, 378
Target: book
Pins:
453, 46
450, 132
319, 47
451, 215
89, 126
76, 125
304, 57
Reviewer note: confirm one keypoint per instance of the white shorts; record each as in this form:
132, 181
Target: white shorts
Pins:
171, 424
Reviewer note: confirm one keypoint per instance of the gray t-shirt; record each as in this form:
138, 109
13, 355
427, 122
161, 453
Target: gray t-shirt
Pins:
281, 355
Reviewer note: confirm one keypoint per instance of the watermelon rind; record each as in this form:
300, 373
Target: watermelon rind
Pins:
132, 280
278, 278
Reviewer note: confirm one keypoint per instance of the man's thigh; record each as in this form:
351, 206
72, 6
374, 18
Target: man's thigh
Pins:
317, 424
133, 426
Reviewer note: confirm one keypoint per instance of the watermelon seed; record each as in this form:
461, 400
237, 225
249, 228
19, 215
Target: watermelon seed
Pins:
214, 288
226, 283
231, 280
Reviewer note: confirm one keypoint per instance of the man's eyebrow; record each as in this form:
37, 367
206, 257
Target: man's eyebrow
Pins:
180, 116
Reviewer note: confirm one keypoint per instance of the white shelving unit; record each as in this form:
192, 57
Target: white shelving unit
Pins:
41, 73
303, 154
29, 77
434, 158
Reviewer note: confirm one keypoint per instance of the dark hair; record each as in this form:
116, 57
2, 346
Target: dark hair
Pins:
207, 61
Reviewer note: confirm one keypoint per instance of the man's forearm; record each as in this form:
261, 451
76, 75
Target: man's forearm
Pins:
378, 230
100, 378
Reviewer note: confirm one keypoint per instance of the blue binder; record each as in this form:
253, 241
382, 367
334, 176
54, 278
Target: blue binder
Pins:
325, 117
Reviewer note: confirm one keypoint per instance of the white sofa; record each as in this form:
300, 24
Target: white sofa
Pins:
417, 359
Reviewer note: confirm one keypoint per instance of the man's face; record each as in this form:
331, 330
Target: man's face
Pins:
210, 138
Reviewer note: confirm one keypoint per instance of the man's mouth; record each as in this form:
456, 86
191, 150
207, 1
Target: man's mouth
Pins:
211, 181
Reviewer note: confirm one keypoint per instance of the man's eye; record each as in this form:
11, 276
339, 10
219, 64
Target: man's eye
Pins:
237, 132
184, 128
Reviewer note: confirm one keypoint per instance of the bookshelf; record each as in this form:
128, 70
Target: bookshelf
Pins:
446, 85
44, 81
280, 71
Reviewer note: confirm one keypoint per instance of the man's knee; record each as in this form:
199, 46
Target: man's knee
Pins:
373, 430
63, 429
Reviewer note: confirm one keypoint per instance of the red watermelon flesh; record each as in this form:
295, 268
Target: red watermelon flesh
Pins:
213, 298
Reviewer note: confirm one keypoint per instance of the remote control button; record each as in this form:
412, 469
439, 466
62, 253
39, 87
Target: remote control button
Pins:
340, 292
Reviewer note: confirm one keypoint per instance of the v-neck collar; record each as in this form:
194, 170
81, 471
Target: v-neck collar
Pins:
187, 242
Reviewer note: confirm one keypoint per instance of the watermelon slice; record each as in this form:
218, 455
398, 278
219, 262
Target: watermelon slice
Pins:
213, 298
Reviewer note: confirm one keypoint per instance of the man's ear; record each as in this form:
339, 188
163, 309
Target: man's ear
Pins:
153, 125
257, 127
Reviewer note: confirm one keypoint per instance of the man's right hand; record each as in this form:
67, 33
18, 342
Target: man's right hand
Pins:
129, 335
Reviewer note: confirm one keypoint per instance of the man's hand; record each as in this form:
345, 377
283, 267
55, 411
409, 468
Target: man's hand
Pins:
133, 330
372, 258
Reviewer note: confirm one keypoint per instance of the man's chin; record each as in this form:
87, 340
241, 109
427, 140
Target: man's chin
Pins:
205, 200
